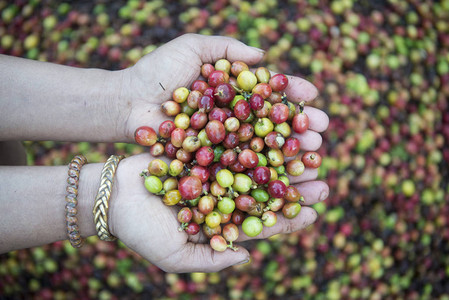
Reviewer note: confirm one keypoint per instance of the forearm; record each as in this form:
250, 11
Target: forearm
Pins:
32, 204
45, 101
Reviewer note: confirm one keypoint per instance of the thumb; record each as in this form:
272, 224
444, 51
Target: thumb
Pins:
202, 258
212, 48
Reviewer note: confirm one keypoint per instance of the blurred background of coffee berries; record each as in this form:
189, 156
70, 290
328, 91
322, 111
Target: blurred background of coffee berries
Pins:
382, 69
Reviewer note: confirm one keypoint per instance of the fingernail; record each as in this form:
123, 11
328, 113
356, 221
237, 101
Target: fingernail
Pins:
258, 50
324, 195
245, 261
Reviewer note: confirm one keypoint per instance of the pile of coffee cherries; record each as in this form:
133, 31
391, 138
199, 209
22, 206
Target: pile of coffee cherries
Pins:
229, 144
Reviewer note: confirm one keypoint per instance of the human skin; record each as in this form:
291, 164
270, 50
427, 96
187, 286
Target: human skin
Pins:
43, 101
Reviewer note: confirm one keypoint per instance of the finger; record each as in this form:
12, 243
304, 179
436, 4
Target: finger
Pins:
305, 217
308, 175
309, 140
212, 48
202, 258
318, 119
313, 191
299, 89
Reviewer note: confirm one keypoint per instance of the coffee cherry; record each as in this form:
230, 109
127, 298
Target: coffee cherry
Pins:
171, 108
311, 159
157, 149
263, 89
228, 157
274, 140
225, 178
172, 197
198, 120
215, 131
263, 74
226, 205
278, 82
231, 140
237, 67
275, 157
230, 232
261, 175
232, 124
206, 205
191, 144
242, 183
170, 150
276, 204
283, 129
217, 77
279, 113
276, 189
200, 172
184, 215
206, 70
300, 123
237, 217
260, 195
190, 187
182, 121
263, 127
218, 243
292, 194
204, 156
180, 94
291, 210
245, 132
244, 203
158, 168
217, 114
213, 219
246, 80
206, 103
224, 93
177, 136
145, 136
263, 112
170, 183
256, 144
193, 99
153, 184
197, 216
210, 232
199, 85
192, 228
291, 147
223, 65
202, 135
256, 101
242, 110
295, 167
248, 158
269, 218
252, 226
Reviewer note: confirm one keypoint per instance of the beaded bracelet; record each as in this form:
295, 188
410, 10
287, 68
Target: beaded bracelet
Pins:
101, 207
73, 232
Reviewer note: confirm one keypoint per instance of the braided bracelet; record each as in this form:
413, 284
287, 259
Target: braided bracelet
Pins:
73, 232
101, 207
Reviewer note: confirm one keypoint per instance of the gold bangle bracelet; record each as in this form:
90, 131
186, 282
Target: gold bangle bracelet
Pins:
73, 232
101, 207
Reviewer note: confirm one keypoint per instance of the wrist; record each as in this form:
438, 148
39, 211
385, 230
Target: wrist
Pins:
88, 187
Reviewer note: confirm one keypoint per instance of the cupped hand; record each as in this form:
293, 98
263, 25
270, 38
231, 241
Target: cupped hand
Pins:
152, 80
146, 225
140, 219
